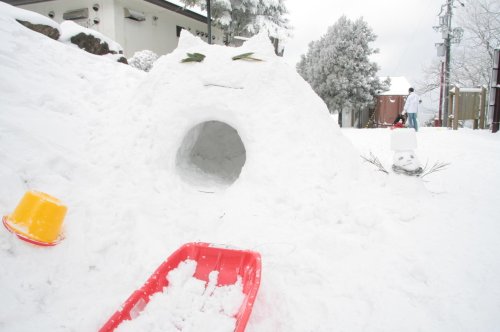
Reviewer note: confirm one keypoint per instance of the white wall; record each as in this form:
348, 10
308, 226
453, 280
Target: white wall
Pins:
159, 36
59, 7
347, 118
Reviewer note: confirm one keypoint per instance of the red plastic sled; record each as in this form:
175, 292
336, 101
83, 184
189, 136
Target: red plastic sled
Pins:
230, 263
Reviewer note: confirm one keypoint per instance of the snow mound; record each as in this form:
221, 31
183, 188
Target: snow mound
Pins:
277, 126
138, 159
222, 151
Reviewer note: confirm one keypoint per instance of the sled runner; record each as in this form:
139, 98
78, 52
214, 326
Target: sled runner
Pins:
230, 263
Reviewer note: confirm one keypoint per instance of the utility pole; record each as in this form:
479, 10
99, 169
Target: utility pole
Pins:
447, 45
209, 23
441, 83
450, 36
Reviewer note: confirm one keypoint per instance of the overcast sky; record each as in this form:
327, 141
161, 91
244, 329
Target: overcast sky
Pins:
404, 31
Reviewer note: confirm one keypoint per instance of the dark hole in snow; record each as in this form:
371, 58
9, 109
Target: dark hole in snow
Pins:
211, 155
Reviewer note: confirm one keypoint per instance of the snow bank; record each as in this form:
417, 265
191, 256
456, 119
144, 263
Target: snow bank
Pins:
343, 246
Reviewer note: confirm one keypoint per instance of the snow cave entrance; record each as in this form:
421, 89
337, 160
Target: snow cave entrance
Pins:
211, 156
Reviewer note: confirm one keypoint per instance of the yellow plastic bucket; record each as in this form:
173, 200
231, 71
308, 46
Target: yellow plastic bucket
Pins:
37, 219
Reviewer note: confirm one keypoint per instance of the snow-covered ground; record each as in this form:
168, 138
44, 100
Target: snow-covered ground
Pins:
344, 247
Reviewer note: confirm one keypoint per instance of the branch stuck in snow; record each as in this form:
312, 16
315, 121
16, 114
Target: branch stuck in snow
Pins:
375, 161
438, 166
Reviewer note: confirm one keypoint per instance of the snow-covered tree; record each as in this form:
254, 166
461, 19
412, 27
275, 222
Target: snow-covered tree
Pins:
143, 60
338, 68
247, 17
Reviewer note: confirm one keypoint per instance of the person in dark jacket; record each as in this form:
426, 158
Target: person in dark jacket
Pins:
401, 118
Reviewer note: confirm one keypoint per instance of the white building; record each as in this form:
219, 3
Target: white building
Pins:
136, 25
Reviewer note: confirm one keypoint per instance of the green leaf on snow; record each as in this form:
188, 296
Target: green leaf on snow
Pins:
194, 57
246, 56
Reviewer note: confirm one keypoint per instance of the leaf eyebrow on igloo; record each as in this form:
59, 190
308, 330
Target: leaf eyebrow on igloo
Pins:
246, 56
194, 57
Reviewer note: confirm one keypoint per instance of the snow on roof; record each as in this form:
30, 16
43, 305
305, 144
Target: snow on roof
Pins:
195, 9
399, 86
466, 90
241, 38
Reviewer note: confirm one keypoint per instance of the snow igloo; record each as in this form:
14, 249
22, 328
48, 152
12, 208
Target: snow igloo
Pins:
226, 122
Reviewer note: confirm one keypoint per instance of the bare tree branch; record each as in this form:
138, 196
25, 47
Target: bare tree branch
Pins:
375, 161
438, 166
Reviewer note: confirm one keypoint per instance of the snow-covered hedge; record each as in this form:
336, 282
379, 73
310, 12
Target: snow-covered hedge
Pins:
143, 60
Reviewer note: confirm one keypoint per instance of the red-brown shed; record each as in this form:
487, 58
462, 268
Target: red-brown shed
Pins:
390, 103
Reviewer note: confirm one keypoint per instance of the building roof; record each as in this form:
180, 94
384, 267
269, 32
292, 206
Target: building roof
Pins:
399, 86
178, 8
454, 90
23, 2
199, 16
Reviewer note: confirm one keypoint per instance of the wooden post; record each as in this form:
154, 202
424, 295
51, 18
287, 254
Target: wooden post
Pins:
482, 107
476, 101
495, 124
456, 110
